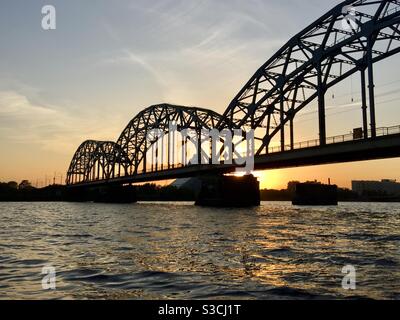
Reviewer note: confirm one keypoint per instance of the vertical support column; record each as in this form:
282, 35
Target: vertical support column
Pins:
162, 152
152, 158
186, 152
169, 150
183, 152
364, 104
145, 156
156, 155
199, 146
282, 119
267, 134
291, 133
173, 150
211, 150
371, 87
321, 108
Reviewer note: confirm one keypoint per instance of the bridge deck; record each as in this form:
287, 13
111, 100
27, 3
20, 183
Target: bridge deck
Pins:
357, 150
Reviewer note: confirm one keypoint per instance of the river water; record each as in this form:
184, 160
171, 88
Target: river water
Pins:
177, 250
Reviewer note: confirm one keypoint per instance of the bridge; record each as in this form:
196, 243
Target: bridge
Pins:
351, 39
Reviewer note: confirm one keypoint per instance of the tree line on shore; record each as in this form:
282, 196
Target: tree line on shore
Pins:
24, 191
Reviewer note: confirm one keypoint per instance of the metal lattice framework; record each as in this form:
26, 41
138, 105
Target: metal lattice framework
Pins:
96, 160
104, 160
348, 39
133, 139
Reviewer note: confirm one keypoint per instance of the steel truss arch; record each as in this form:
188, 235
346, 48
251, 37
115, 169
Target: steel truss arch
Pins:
106, 162
328, 51
133, 139
95, 160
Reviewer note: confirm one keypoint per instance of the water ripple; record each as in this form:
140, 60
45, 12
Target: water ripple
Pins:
173, 250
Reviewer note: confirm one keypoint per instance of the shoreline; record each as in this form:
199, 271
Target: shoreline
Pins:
165, 201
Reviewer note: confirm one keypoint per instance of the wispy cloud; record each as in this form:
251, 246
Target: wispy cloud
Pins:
48, 127
14, 104
127, 57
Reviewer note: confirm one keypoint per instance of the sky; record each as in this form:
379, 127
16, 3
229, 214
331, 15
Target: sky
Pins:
108, 60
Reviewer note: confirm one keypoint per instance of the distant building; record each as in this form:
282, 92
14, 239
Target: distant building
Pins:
386, 186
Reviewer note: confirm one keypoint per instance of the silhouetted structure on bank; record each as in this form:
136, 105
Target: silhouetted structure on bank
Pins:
229, 191
315, 194
384, 187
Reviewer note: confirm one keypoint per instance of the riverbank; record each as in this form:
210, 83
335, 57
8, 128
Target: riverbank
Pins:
152, 192
60, 193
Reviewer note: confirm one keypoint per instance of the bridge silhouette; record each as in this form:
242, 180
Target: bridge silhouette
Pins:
349, 39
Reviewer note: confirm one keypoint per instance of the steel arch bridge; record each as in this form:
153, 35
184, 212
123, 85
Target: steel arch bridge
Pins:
349, 39
95, 160
99, 160
134, 139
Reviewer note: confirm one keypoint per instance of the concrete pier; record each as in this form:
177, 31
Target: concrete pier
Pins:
315, 194
229, 191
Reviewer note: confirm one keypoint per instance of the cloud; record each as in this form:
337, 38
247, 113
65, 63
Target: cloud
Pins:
126, 56
14, 104
50, 128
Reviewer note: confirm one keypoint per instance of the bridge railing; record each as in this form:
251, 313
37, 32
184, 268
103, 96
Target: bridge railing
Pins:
380, 132
163, 167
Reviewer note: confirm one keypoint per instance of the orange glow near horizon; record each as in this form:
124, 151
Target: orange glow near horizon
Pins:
270, 179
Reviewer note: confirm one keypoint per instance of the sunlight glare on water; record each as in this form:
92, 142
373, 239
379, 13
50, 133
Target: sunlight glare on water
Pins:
177, 250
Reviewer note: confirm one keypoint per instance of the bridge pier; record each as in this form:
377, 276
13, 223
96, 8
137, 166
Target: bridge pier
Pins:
103, 194
229, 191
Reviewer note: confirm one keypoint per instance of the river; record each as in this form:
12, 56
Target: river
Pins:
179, 251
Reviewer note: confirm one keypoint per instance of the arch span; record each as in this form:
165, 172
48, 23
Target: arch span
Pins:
96, 160
348, 39
133, 138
